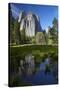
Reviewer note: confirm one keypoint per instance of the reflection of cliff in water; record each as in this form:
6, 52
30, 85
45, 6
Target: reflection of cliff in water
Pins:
44, 73
27, 66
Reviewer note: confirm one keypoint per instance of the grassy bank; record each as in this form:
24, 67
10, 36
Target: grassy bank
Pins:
23, 50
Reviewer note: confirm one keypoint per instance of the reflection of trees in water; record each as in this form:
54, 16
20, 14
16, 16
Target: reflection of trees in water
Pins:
54, 65
27, 67
54, 70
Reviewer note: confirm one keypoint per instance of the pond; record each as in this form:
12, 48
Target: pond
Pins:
31, 73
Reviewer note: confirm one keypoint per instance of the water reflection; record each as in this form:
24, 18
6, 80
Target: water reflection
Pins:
28, 65
44, 73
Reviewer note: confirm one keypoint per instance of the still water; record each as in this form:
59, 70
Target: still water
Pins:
32, 73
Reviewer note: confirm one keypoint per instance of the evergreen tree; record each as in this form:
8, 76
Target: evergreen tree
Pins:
17, 36
11, 25
54, 31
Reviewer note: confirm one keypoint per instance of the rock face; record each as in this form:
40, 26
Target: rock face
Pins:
30, 23
40, 39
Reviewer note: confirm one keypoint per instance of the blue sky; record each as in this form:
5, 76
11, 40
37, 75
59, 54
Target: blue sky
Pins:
46, 13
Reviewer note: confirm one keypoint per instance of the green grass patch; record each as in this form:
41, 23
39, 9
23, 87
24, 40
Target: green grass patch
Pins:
23, 50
